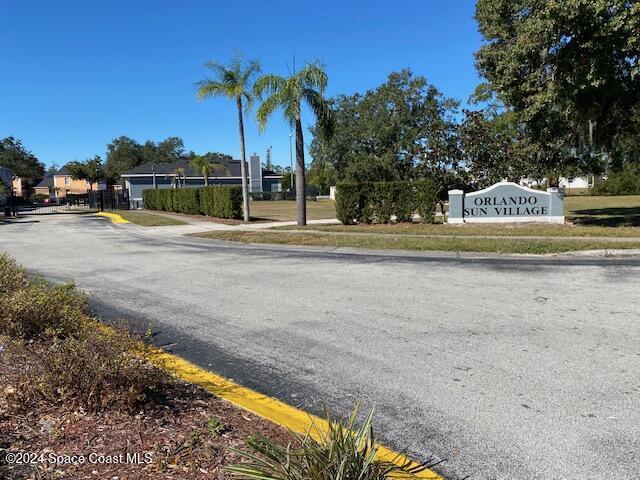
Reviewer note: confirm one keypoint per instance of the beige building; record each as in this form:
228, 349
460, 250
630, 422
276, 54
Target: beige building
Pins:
60, 184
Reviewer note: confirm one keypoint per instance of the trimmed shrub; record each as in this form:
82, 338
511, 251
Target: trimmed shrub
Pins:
367, 202
268, 196
185, 200
348, 202
426, 198
221, 202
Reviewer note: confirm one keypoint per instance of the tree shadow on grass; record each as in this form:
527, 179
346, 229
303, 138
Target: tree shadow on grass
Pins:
607, 217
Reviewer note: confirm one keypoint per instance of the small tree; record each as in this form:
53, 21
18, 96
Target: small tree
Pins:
208, 164
91, 170
288, 94
234, 81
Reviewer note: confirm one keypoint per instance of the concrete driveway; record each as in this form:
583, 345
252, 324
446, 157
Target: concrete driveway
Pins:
503, 368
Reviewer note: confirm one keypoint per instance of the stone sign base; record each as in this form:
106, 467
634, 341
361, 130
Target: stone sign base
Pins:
506, 202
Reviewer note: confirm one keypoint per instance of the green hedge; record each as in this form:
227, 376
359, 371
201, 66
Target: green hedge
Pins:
217, 201
221, 202
368, 202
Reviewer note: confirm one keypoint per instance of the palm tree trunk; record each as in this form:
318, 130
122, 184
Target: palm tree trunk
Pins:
243, 168
206, 178
301, 199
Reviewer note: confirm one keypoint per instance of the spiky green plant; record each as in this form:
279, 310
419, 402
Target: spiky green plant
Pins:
342, 451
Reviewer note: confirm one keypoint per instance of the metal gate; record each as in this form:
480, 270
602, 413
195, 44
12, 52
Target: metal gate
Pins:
73, 202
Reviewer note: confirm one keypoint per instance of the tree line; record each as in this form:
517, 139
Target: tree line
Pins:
561, 96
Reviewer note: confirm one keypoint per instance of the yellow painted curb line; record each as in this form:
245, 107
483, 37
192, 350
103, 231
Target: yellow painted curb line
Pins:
114, 217
267, 407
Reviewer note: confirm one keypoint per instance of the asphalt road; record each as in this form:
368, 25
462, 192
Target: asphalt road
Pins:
503, 368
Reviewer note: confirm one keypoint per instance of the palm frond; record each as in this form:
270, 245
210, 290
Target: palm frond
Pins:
322, 110
213, 88
339, 451
268, 84
314, 76
269, 105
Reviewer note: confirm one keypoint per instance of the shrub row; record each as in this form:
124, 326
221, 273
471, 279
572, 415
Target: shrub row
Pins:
368, 202
218, 201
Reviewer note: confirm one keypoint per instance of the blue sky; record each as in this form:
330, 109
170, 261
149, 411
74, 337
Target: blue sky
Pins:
77, 74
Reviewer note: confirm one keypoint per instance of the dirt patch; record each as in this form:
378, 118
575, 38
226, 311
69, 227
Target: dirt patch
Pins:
184, 436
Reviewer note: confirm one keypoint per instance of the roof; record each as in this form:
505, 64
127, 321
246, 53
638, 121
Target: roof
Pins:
64, 170
232, 169
47, 181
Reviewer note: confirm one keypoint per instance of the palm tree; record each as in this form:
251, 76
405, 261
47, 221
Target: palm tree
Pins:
202, 164
179, 175
234, 81
288, 93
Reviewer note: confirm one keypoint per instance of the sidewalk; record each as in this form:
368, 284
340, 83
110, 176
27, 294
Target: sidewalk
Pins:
196, 225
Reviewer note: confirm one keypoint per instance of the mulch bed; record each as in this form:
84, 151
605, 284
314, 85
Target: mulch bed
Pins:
174, 434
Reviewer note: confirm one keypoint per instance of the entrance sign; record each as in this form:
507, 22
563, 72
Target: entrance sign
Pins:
506, 202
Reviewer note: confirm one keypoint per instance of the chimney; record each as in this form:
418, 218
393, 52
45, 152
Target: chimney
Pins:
255, 174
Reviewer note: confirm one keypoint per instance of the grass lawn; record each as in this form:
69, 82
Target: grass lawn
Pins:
604, 211
148, 219
593, 217
285, 210
459, 244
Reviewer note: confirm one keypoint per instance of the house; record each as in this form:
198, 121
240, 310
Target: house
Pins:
45, 187
19, 188
59, 184
165, 175
581, 182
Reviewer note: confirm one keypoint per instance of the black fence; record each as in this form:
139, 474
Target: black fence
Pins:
70, 202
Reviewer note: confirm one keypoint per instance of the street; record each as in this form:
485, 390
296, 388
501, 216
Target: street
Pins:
501, 368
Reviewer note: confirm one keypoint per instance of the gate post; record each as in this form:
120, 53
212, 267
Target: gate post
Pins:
456, 207
101, 199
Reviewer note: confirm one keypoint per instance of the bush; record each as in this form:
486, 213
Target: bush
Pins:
151, 199
221, 202
341, 450
427, 193
367, 202
217, 201
98, 370
33, 309
348, 202
626, 182
185, 200
40, 309
12, 276
268, 196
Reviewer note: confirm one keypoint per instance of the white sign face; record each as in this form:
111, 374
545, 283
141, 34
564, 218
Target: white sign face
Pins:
506, 202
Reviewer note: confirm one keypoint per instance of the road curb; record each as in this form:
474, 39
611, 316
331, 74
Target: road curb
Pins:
264, 406
114, 217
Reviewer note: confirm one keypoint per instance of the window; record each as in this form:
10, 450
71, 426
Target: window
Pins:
67, 180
